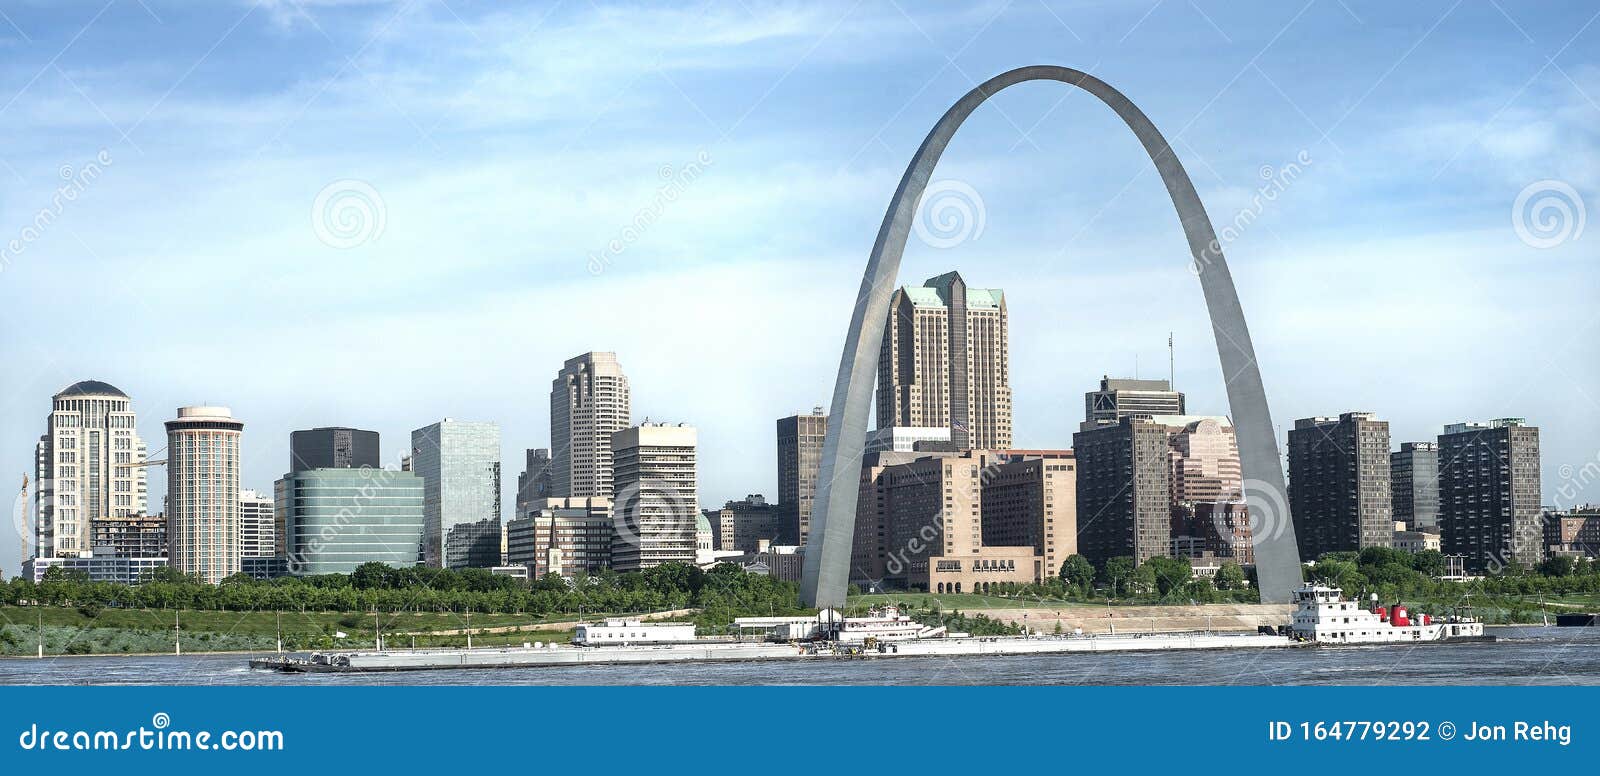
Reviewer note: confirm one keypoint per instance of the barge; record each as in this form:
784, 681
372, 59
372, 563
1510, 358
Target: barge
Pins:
1322, 618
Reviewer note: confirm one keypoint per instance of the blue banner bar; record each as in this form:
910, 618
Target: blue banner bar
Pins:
626, 730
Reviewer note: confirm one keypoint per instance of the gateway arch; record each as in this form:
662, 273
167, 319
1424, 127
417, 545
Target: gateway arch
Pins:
827, 560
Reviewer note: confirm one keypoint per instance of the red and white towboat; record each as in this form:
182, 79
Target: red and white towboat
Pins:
1323, 616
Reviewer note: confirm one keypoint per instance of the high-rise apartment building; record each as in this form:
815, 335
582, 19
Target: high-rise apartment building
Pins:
459, 463
657, 499
1126, 398
203, 492
333, 448
537, 481
1489, 509
799, 458
945, 363
1414, 485
1124, 489
588, 403
257, 525
86, 466
1339, 484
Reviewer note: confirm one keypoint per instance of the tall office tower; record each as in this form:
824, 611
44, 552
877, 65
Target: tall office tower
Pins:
588, 403
203, 492
1205, 460
1122, 398
1206, 481
1414, 485
743, 525
336, 519
799, 457
257, 525
945, 363
1339, 484
656, 500
537, 481
1489, 508
1124, 489
333, 448
459, 463
85, 467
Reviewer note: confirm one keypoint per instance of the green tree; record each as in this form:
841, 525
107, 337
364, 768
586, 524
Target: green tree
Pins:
1077, 570
1117, 571
1230, 576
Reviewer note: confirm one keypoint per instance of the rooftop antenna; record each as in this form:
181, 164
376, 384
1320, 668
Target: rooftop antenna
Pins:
1172, 364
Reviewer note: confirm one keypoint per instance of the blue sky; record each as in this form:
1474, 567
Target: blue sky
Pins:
503, 145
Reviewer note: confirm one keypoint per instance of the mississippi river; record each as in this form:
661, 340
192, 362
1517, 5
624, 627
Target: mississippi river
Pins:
1533, 655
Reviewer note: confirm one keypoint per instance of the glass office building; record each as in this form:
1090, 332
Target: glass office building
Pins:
338, 519
459, 463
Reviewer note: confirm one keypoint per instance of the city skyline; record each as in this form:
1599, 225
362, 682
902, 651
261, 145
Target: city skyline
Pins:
806, 170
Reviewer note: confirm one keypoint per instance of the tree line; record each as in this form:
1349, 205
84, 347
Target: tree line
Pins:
726, 591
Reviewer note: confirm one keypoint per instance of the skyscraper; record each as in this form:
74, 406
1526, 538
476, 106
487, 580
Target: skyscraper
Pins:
1123, 398
537, 481
333, 448
203, 492
459, 463
944, 362
799, 456
1339, 484
86, 467
657, 499
588, 403
1414, 484
1489, 508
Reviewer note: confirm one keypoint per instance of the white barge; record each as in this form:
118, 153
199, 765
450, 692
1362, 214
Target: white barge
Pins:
884, 634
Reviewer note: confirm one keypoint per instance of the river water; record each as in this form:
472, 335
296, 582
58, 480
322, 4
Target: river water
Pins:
1536, 655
